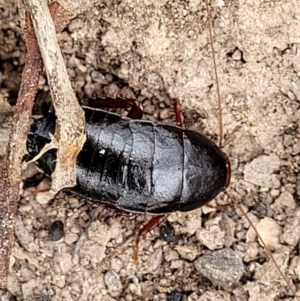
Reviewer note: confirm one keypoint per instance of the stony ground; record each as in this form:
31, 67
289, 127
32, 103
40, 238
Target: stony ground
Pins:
156, 52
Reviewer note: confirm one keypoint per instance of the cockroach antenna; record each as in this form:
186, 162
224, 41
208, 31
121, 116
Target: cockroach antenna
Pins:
220, 110
231, 197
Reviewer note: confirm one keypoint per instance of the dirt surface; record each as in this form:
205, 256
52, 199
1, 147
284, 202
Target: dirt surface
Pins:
157, 52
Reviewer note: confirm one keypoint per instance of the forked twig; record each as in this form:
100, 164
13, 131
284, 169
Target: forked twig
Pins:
11, 172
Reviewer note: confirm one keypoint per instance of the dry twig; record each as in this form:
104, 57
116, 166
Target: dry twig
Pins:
11, 172
69, 135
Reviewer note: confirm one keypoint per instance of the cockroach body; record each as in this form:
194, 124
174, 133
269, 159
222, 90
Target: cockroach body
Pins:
137, 165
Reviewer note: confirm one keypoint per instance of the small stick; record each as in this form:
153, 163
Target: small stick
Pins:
11, 172
69, 135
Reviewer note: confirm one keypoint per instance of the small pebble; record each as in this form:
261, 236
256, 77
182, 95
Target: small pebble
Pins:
43, 198
56, 231
99, 232
177, 264
154, 260
109, 77
135, 288
70, 238
285, 202
175, 296
75, 25
164, 114
167, 232
24, 237
25, 208
260, 171
113, 281
74, 203
98, 78
171, 255
221, 267
112, 90
237, 55
187, 252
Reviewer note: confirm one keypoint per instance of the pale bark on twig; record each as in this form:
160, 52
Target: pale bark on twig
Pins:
69, 135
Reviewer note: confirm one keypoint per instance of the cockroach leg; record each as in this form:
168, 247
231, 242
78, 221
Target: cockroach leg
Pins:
154, 221
136, 108
178, 113
136, 111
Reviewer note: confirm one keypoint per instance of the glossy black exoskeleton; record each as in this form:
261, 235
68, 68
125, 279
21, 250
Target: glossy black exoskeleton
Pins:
137, 165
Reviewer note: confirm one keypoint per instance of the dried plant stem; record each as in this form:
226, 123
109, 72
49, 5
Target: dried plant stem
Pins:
11, 172
69, 135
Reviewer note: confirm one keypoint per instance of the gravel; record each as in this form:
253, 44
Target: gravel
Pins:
156, 52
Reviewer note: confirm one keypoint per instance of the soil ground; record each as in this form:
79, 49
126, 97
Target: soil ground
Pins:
156, 52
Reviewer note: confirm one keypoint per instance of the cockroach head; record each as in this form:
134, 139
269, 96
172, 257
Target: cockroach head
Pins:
39, 134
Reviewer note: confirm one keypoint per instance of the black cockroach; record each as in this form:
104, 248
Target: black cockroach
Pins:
136, 165
139, 166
